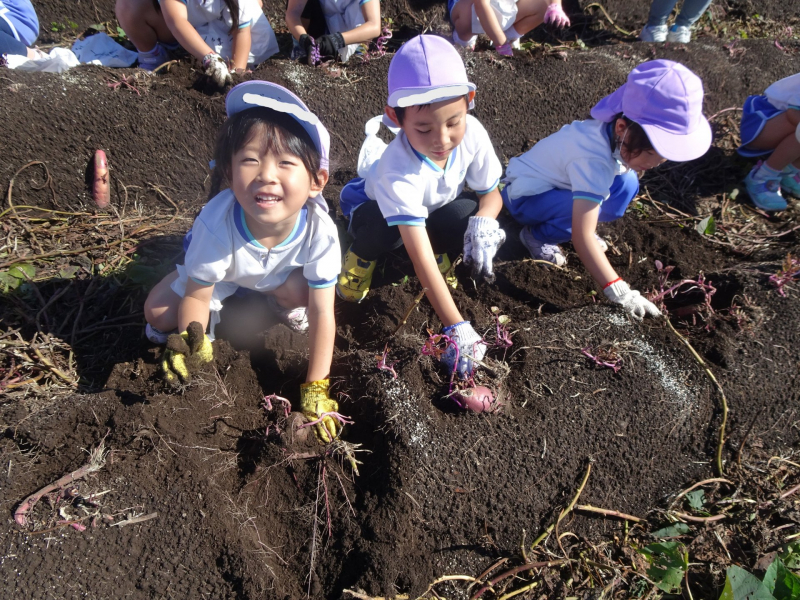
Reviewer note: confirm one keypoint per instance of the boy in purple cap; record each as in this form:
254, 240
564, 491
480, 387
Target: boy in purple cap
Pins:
586, 172
771, 125
269, 234
411, 194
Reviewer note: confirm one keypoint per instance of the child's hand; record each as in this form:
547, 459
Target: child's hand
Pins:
185, 353
555, 15
481, 241
215, 67
315, 404
330, 44
632, 301
469, 348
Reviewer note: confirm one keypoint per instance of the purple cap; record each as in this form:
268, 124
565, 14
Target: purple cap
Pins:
270, 95
666, 99
427, 69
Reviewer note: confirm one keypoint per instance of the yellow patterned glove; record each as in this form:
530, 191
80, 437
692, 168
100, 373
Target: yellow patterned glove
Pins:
185, 353
314, 403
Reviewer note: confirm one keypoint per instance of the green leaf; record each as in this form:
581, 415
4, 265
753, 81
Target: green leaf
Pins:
673, 530
667, 565
741, 585
707, 226
22, 271
696, 499
787, 584
69, 272
98, 26
791, 556
121, 32
8, 282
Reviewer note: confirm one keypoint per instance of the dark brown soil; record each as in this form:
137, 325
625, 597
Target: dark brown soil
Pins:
242, 511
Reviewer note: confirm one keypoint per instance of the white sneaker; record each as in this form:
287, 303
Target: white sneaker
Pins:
294, 318
470, 43
657, 33
679, 34
516, 44
541, 251
156, 335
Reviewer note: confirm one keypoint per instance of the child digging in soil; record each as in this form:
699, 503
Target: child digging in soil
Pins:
331, 29
504, 21
412, 193
771, 125
586, 172
219, 33
269, 232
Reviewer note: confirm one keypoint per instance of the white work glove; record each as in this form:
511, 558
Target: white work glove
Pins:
632, 301
215, 67
481, 241
555, 15
470, 347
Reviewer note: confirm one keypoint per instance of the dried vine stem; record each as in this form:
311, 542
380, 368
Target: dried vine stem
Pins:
566, 511
702, 363
11, 206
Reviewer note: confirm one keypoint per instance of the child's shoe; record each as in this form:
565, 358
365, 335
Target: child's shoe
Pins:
156, 335
679, 34
790, 180
355, 278
469, 44
443, 262
765, 188
294, 318
656, 33
541, 251
153, 58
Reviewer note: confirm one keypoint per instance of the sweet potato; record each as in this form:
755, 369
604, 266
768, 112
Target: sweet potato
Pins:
101, 189
477, 399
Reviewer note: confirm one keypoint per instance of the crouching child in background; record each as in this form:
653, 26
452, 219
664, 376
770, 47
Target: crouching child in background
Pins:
269, 232
410, 191
586, 172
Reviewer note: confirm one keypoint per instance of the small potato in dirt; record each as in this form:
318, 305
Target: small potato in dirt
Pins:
477, 399
101, 193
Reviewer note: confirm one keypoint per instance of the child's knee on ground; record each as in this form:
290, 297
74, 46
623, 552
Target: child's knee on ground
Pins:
293, 293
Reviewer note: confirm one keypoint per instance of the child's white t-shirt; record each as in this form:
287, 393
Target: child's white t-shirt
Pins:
212, 20
784, 93
222, 250
578, 157
408, 186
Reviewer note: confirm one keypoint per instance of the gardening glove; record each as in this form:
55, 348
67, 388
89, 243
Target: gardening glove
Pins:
307, 45
330, 44
481, 241
632, 301
186, 352
505, 49
555, 15
469, 347
216, 69
315, 402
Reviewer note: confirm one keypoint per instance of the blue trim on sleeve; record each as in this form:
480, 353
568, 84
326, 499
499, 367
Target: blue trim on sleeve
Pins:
322, 283
248, 24
496, 183
588, 196
406, 220
363, 2
201, 282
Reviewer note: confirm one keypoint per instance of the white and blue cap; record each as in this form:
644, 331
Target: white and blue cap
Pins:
427, 69
251, 94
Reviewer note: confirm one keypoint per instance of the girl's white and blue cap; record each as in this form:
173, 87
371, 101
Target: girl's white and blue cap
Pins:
427, 69
251, 94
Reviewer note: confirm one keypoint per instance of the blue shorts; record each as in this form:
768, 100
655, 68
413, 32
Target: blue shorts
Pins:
757, 111
352, 196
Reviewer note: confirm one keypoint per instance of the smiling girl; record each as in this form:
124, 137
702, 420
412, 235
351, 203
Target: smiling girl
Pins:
269, 233
586, 172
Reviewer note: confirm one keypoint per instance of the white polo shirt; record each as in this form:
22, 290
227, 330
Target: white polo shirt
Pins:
408, 186
784, 93
578, 157
223, 252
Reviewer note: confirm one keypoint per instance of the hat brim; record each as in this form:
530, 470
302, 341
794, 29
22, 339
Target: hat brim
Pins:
680, 147
252, 94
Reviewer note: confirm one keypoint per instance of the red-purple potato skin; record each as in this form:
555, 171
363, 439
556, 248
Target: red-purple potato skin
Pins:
478, 399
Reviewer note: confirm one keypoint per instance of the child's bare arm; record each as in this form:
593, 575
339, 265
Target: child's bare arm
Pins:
418, 245
194, 305
293, 21
321, 332
584, 224
371, 27
242, 41
177, 19
489, 21
490, 204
